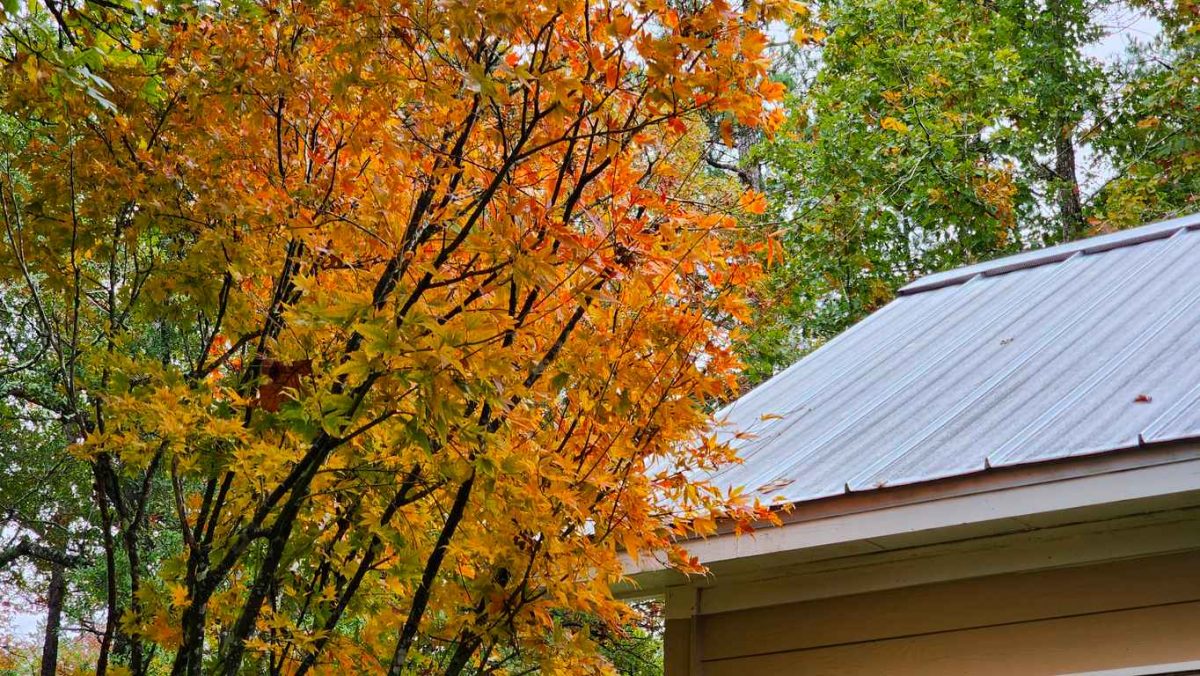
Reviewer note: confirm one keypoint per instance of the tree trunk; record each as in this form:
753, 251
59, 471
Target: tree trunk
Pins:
54, 605
1066, 181
1070, 210
745, 140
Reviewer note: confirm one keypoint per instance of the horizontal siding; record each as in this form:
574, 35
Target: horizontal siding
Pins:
893, 622
1126, 638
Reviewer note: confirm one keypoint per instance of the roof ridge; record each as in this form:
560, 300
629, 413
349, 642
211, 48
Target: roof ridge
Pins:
1054, 254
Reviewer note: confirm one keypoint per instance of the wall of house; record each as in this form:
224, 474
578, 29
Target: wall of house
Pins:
1123, 613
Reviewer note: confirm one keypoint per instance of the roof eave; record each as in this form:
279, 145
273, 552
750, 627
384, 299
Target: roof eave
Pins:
1024, 496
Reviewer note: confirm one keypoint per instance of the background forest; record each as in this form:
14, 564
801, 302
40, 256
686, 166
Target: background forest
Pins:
909, 136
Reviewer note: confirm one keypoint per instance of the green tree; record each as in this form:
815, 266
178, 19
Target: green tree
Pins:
929, 135
1151, 136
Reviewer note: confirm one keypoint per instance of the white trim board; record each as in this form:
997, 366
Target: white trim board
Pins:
958, 517
1056, 547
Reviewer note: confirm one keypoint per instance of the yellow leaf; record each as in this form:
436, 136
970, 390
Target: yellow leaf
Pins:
893, 124
804, 36
179, 595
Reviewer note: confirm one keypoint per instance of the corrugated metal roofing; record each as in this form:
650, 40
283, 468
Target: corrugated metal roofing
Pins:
1088, 347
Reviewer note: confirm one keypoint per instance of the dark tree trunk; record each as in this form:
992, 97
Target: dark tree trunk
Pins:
112, 609
54, 605
1066, 181
1070, 210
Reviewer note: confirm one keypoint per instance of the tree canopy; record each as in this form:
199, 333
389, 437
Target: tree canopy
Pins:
377, 330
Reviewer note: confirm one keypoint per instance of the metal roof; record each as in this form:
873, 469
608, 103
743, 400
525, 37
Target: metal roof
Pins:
1083, 348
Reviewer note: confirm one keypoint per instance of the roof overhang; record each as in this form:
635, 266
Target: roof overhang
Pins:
1009, 500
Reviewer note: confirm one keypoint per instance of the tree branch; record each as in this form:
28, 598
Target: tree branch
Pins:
29, 549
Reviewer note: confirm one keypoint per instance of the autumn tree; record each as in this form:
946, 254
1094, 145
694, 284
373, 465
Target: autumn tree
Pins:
380, 329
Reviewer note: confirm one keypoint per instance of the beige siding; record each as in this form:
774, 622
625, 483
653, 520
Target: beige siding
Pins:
1127, 638
1126, 613
677, 647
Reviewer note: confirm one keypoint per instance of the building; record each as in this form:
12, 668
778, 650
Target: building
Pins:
997, 473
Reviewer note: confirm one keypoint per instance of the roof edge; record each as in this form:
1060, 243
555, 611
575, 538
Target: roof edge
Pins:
1055, 254
821, 524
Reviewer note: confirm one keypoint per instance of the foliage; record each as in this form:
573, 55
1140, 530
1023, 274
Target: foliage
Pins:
379, 331
21, 656
1151, 134
928, 135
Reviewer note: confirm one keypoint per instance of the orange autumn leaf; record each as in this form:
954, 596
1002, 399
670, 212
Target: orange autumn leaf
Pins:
753, 202
772, 90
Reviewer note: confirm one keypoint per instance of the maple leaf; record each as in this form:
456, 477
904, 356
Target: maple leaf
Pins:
753, 202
